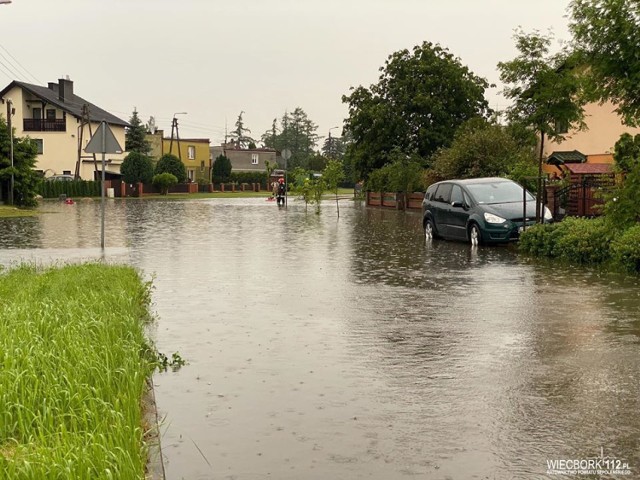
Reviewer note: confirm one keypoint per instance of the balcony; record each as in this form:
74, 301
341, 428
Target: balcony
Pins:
43, 125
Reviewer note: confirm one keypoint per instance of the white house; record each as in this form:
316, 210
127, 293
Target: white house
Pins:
61, 123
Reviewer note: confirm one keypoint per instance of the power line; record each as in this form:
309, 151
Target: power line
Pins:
29, 74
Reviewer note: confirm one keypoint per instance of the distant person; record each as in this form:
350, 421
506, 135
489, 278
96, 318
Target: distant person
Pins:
282, 191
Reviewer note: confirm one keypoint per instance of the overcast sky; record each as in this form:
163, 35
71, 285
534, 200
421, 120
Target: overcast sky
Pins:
215, 58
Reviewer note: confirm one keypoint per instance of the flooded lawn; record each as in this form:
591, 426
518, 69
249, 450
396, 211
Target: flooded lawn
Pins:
325, 348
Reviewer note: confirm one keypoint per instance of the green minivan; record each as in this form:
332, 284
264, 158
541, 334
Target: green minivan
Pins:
478, 210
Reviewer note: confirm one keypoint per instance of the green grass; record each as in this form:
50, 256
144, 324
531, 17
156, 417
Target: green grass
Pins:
73, 367
12, 212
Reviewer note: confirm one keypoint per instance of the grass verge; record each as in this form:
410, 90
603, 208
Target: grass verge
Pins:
73, 368
12, 212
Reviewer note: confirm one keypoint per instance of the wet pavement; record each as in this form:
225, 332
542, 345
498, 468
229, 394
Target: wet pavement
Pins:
343, 348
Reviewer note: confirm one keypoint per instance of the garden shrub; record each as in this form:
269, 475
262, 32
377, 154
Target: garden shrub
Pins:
584, 240
164, 181
625, 250
171, 164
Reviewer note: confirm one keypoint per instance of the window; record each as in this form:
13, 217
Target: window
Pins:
562, 127
191, 174
254, 159
443, 194
456, 194
191, 152
51, 114
39, 144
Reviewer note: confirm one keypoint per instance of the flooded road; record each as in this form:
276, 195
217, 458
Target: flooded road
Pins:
325, 348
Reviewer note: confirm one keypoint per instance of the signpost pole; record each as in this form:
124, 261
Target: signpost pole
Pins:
102, 189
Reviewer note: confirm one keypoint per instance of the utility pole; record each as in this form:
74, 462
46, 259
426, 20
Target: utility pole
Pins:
174, 127
85, 120
10, 112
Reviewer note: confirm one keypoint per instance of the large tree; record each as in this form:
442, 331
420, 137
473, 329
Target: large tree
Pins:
297, 133
483, 148
607, 36
25, 179
136, 136
545, 89
137, 167
420, 99
240, 136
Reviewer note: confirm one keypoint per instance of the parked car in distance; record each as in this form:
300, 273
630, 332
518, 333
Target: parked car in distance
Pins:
61, 178
478, 210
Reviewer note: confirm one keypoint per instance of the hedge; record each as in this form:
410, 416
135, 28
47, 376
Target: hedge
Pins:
74, 188
249, 177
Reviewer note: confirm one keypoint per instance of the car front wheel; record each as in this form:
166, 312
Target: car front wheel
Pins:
475, 237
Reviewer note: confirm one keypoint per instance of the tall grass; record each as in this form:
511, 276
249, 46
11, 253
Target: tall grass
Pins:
73, 368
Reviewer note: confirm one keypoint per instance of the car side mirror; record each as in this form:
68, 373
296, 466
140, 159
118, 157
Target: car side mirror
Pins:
457, 204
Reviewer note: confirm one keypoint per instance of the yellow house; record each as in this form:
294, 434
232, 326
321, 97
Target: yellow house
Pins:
194, 153
61, 124
604, 127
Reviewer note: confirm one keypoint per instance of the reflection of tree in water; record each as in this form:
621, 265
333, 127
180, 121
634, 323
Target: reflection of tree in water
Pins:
390, 247
24, 232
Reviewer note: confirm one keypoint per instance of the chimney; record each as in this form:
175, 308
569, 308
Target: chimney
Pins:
53, 86
65, 89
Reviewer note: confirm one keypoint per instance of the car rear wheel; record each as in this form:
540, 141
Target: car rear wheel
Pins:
429, 231
475, 237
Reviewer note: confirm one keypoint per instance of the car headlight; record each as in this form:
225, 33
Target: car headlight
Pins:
548, 216
491, 218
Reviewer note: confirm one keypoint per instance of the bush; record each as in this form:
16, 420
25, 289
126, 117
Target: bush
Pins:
221, 169
171, 164
137, 167
578, 240
75, 188
164, 181
249, 177
585, 241
625, 249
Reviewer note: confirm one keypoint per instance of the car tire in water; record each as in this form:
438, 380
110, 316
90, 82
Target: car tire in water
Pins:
429, 230
475, 236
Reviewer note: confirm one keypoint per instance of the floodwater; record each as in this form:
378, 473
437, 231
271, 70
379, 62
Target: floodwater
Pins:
344, 348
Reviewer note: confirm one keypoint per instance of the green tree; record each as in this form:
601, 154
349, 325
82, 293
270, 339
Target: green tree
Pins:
333, 147
221, 169
333, 174
136, 136
627, 152
296, 133
240, 136
169, 163
545, 89
420, 99
164, 181
137, 167
482, 148
301, 184
25, 179
606, 34
318, 187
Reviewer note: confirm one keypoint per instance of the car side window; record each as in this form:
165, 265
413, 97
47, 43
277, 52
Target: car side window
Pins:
467, 200
430, 191
456, 194
443, 193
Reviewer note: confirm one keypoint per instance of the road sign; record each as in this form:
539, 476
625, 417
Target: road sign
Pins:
103, 141
286, 154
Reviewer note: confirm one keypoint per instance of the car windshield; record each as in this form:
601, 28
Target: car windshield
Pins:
497, 192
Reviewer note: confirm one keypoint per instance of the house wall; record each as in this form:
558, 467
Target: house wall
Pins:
60, 149
604, 129
199, 167
241, 160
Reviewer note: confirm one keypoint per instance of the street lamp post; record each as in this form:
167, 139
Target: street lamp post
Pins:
10, 112
331, 142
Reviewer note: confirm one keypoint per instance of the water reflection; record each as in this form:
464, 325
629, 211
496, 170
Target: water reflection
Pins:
349, 348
